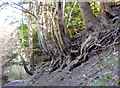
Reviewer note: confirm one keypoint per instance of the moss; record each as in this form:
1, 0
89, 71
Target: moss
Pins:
96, 83
62, 78
118, 81
4, 77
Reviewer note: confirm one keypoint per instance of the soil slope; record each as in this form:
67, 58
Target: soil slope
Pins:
99, 70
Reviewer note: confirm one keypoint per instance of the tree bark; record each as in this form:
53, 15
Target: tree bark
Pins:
88, 16
105, 6
66, 43
59, 14
30, 39
39, 31
61, 26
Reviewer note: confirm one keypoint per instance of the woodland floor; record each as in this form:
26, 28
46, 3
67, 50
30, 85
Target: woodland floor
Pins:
99, 70
102, 70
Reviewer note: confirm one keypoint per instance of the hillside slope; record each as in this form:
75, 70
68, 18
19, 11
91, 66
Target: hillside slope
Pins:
102, 70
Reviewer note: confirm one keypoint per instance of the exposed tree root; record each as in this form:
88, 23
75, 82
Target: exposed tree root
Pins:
96, 47
108, 40
25, 66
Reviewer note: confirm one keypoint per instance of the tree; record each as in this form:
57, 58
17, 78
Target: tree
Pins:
37, 10
105, 6
52, 37
30, 39
89, 18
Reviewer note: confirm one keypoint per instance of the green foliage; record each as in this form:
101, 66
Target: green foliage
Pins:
95, 6
22, 2
4, 77
35, 39
20, 63
24, 34
112, 60
76, 22
48, 63
62, 78
101, 77
75, 18
13, 55
107, 78
96, 83
23, 28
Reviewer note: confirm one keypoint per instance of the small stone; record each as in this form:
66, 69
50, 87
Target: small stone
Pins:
84, 75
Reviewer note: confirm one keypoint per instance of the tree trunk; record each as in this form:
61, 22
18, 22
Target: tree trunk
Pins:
105, 6
61, 26
30, 39
39, 31
89, 18
59, 14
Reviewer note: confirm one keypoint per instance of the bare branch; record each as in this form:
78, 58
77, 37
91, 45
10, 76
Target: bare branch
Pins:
22, 8
24, 11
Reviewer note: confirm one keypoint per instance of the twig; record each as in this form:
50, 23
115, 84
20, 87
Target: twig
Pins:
24, 11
